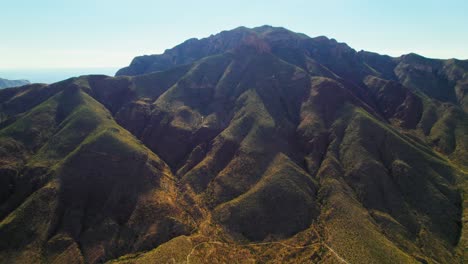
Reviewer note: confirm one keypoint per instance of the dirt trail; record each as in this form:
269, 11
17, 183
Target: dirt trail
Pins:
267, 243
336, 254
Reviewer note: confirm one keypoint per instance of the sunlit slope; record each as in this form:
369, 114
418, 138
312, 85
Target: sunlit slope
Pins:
82, 188
254, 146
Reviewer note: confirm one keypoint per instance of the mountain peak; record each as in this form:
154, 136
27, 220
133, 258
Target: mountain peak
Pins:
251, 145
263, 38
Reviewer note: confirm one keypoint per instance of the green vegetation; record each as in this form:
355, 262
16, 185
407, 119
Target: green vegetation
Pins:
251, 146
280, 204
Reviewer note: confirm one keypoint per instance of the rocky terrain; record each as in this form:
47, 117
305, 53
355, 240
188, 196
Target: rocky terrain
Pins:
253, 145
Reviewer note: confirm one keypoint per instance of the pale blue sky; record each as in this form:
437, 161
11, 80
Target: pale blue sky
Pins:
109, 33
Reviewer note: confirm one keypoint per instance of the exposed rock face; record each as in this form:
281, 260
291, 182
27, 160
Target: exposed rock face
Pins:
250, 145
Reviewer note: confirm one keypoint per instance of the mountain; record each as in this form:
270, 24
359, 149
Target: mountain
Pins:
252, 145
4, 83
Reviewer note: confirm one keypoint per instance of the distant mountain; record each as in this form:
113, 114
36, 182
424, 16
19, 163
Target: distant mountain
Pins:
4, 83
52, 75
250, 146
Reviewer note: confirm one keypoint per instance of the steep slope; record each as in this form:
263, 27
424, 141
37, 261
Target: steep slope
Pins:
252, 145
4, 83
82, 188
444, 80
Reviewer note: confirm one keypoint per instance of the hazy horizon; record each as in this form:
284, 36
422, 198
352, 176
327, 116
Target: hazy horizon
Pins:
52, 75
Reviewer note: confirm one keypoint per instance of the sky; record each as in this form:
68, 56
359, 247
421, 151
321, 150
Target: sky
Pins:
109, 33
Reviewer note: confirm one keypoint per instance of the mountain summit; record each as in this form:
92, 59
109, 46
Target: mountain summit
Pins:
253, 145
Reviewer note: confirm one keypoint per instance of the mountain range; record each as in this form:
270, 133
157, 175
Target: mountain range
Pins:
254, 145
4, 83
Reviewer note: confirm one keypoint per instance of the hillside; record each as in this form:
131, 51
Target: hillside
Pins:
250, 146
4, 83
